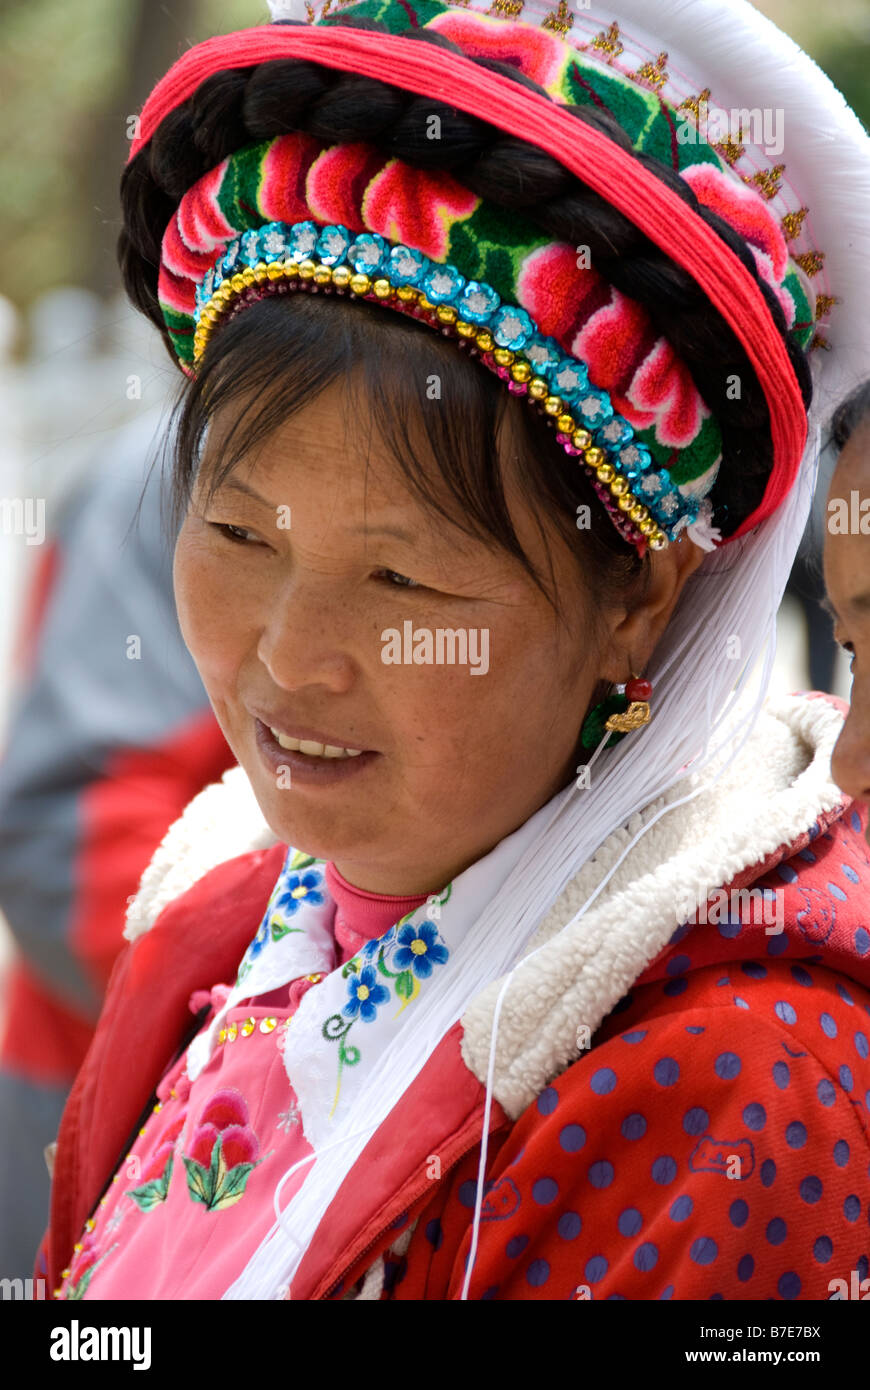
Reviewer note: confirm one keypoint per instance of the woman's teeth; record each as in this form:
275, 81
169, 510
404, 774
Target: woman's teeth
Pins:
314, 750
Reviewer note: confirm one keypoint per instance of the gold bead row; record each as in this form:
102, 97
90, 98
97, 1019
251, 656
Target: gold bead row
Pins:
343, 277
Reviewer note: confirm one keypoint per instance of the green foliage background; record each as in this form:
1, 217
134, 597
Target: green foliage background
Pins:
72, 74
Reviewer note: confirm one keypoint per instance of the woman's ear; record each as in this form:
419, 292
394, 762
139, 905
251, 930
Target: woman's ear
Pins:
634, 636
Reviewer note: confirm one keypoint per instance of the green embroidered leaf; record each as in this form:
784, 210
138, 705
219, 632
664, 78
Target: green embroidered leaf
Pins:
153, 1192
405, 984
198, 1180
149, 1195
231, 1186
350, 967
280, 929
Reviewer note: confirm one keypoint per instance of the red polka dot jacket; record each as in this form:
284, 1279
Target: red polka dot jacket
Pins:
681, 1101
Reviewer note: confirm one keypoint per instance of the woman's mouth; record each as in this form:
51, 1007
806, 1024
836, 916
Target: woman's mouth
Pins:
307, 761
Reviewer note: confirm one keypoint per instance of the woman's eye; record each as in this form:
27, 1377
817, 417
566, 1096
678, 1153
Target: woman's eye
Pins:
402, 580
238, 534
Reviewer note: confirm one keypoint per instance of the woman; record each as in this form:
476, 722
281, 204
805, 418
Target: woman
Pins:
531, 1040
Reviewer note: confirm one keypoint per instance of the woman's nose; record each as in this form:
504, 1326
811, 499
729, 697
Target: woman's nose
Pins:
303, 641
850, 760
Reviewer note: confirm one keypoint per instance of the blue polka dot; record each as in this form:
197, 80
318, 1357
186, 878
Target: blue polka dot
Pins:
738, 1213
823, 1249
664, 1170
545, 1191
796, 1135
745, 1268
696, 1120
825, 1091
801, 976
789, 1285
467, 1193
855, 821
434, 1233
811, 1190
740, 1003
847, 1081
595, 1270
787, 873
678, 965
630, 1222
730, 927
781, 1075
548, 1100
666, 1071
863, 1268
777, 945
637, 1035
829, 1027
844, 993
861, 1045
727, 1065
633, 1127
646, 1257
862, 941
676, 987
666, 1293
703, 1251
852, 1207
776, 1231
490, 1293
601, 1173
836, 892
755, 1116
538, 1273
841, 1153
768, 1172
696, 1029
680, 933
849, 873
569, 1225
754, 969
806, 855
681, 1209
784, 1012
603, 1081
572, 1138
515, 1246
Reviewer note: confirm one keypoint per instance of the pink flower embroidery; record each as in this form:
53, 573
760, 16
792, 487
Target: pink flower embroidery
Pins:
224, 1151
744, 209
336, 183
413, 206
536, 52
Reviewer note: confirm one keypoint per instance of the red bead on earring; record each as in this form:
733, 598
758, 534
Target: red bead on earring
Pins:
638, 688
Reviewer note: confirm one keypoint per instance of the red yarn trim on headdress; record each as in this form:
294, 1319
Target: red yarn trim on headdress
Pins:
597, 161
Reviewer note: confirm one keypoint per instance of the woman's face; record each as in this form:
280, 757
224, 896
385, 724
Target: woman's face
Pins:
288, 625
847, 577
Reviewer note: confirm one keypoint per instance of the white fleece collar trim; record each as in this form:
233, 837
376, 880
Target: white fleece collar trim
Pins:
774, 791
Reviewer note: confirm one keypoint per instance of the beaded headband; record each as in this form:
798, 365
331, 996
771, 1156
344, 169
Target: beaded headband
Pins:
654, 449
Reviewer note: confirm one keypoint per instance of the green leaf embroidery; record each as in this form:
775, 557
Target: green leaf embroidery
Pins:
231, 1186
405, 984
280, 929
197, 1180
152, 1193
301, 860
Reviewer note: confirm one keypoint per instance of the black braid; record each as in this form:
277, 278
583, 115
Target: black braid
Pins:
238, 107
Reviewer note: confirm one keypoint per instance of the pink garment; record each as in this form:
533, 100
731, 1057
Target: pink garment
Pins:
192, 1200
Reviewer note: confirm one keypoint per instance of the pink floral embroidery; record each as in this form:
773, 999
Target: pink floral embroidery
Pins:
337, 182
405, 204
285, 169
223, 1152
536, 52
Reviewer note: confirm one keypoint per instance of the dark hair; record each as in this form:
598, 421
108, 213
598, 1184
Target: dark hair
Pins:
850, 415
239, 107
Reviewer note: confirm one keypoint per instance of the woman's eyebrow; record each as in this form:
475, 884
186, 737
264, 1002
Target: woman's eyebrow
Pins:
395, 532
859, 603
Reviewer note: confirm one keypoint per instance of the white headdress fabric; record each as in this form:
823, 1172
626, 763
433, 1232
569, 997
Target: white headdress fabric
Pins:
728, 606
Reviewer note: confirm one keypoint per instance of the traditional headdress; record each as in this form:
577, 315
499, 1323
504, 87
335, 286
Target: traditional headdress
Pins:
289, 213
293, 213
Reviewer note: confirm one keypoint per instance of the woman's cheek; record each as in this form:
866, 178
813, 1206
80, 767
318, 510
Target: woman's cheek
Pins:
213, 603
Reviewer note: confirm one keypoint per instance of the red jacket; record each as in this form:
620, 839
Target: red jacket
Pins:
714, 1141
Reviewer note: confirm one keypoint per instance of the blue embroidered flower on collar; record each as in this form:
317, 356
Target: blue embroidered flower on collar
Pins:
365, 995
419, 948
296, 888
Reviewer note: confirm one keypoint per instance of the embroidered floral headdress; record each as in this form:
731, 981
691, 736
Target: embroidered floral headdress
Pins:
291, 213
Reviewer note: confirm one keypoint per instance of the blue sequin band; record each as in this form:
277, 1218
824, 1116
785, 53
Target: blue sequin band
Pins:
280, 249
